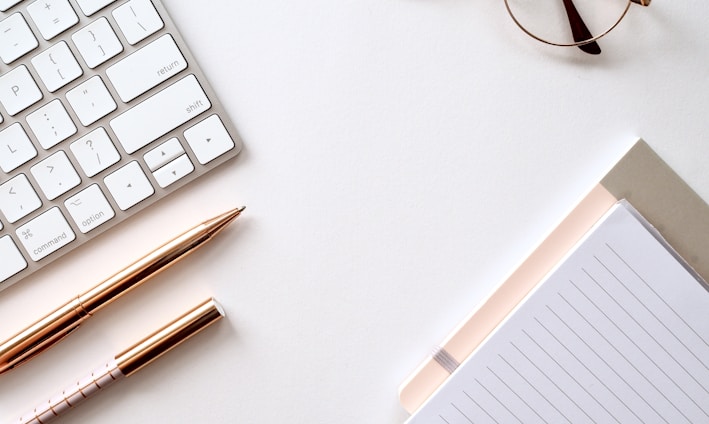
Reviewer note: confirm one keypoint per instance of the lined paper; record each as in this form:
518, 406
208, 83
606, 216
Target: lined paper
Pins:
617, 333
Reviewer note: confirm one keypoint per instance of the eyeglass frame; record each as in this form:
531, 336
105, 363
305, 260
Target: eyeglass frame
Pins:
575, 43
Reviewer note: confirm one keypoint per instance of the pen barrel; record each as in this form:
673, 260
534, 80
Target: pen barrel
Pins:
84, 388
155, 262
168, 337
45, 332
150, 265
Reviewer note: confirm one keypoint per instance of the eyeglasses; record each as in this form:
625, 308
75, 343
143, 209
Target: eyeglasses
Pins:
560, 22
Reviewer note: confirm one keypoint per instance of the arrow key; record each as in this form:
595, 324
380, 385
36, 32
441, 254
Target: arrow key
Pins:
163, 154
129, 185
173, 171
209, 139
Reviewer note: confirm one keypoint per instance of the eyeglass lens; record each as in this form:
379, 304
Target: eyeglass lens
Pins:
567, 22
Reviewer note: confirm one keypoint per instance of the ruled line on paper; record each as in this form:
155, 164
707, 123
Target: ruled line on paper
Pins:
462, 414
571, 376
535, 388
642, 351
585, 366
554, 383
605, 361
664, 301
645, 330
517, 394
498, 400
480, 406
667, 326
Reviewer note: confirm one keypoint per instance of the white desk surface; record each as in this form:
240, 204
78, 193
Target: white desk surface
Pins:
401, 157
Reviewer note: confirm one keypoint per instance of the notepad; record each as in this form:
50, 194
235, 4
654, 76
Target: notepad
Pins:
617, 332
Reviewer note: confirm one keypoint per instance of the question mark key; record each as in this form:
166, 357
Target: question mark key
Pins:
95, 152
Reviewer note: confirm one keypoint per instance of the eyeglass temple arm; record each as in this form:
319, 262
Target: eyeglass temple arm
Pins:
642, 2
579, 30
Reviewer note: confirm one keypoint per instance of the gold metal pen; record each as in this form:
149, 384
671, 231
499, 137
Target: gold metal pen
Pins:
54, 327
126, 363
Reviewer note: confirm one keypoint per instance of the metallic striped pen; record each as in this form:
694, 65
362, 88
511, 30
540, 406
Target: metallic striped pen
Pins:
126, 363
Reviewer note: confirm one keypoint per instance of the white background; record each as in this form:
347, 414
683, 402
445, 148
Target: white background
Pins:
401, 158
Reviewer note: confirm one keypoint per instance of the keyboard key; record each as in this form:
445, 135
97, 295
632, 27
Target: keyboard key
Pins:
16, 38
173, 171
89, 208
91, 101
18, 198
7, 4
137, 19
12, 260
164, 153
52, 17
95, 152
129, 185
57, 66
97, 42
209, 139
51, 124
15, 147
89, 7
146, 68
161, 113
18, 91
45, 234
55, 175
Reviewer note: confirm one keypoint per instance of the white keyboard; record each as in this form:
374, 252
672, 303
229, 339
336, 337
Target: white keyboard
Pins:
103, 111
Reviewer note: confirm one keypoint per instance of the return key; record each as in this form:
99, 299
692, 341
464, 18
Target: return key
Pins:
146, 68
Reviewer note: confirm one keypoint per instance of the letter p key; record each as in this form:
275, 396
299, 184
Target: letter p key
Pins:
18, 90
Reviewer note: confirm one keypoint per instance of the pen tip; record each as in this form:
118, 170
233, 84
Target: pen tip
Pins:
220, 222
232, 214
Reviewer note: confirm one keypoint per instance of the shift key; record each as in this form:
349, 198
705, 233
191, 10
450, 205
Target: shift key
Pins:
160, 114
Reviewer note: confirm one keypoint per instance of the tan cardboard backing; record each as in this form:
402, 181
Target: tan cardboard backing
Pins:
664, 199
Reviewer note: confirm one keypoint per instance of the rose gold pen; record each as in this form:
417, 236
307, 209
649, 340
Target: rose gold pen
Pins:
54, 327
127, 362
